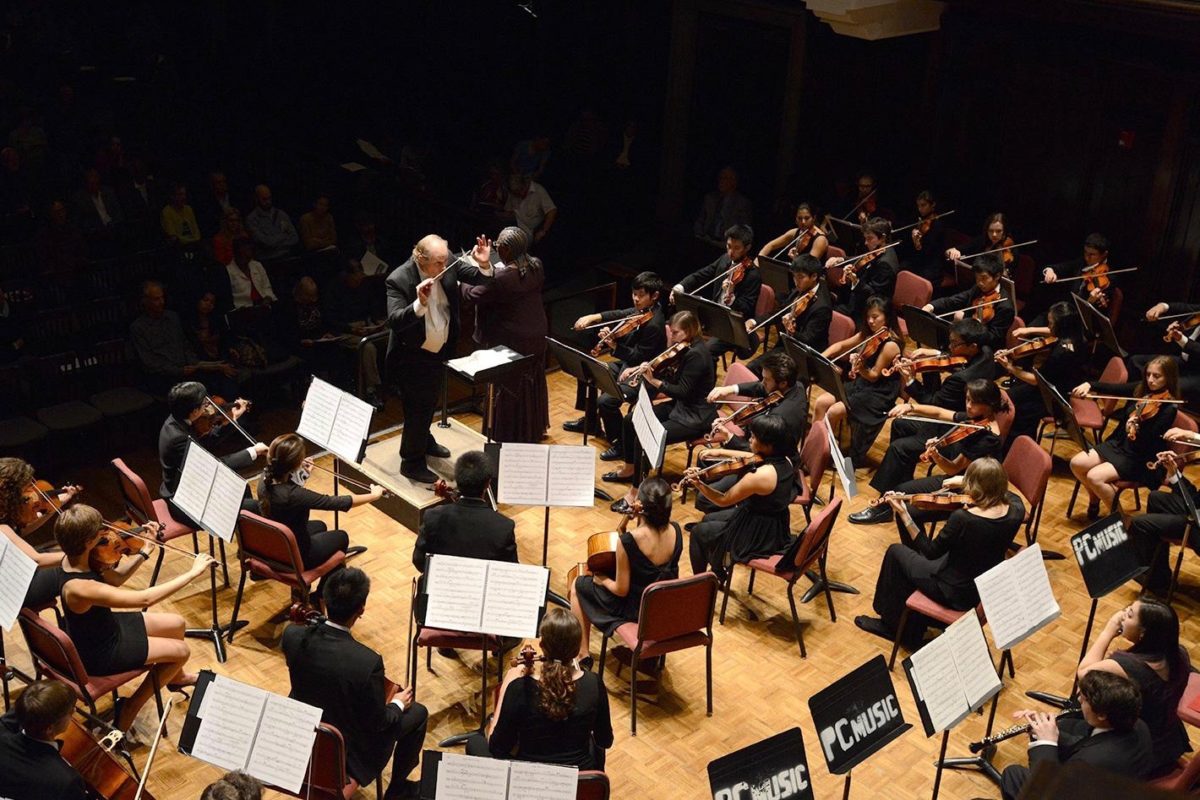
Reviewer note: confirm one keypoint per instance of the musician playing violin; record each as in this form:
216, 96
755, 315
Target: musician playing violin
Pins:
811, 324
779, 375
1167, 515
33, 768
875, 275
994, 236
983, 401
967, 340
737, 290
22, 506
804, 239
1094, 262
1060, 363
973, 540
997, 316
927, 242
1183, 334
864, 204
1137, 438
635, 348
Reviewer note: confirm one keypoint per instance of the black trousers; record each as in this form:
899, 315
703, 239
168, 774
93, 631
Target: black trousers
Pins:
717, 348
409, 734
903, 571
418, 381
922, 486
631, 448
319, 544
721, 484
1165, 518
903, 453
608, 408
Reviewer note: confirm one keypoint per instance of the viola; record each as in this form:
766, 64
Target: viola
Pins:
1028, 348
213, 418
626, 327
938, 363
1181, 459
666, 358
720, 469
1179, 326
1146, 408
953, 436
104, 774
1007, 254
729, 287
745, 413
38, 499
851, 273
928, 501
527, 657
985, 313
799, 306
1097, 278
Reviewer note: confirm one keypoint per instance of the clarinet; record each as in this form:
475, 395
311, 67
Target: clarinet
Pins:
1015, 730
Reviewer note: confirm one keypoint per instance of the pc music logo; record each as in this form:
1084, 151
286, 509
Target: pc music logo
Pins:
791, 782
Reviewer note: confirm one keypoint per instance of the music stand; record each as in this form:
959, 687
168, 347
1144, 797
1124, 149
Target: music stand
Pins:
776, 273
1098, 326
1060, 408
488, 377
716, 320
816, 368
925, 328
596, 378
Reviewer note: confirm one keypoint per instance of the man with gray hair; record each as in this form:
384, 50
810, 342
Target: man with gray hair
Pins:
270, 227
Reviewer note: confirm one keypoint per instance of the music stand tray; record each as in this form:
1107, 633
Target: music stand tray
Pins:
776, 273
717, 320
488, 376
926, 328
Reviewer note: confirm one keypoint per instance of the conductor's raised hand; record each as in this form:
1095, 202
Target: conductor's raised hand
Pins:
482, 252
423, 290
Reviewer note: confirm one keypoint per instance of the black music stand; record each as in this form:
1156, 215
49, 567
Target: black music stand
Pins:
488, 377
716, 320
1060, 408
1098, 326
925, 328
596, 378
776, 273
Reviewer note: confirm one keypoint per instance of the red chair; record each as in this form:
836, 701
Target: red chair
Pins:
1113, 312
1181, 779
815, 459
141, 508
840, 327
1011, 341
268, 550
674, 615
1004, 419
812, 550
942, 615
911, 290
737, 373
1090, 414
1024, 275
593, 785
763, 309
1185, 710
327, 778
1028, 468
833, 275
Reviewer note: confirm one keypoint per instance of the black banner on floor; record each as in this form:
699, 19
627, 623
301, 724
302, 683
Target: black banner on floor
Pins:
776, 768
857, 715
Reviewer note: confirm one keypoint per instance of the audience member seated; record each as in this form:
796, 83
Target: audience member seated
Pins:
491, 194
271, 228
722, 209
178, 220
469, 527
164, 352
350, 307
59, 245
529, 157
211, 209
16, 197
530, 206
209, 334
303, 332
330, 669
33, 768
231, 229
97, 205
317, 229
141, 201
235, 785
369, 248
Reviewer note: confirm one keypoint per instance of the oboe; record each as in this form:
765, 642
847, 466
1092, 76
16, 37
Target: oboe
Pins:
1015, 730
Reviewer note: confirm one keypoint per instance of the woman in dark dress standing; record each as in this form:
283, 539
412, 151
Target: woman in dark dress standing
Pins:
1061, 365
648, 554
510, 313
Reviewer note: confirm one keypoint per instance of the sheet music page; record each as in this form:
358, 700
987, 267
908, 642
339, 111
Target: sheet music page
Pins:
480, 360
370, 150
455, 587
320, 408
976, 672
284, 743
842, 465
224, 502
523, 474
471, 778
195, 481
1029, 570
937, 681
530, 781
1003, 604
373, 264
353, 166
350, 428
649, 429
572, 478
16, 571
231, 713
515, 593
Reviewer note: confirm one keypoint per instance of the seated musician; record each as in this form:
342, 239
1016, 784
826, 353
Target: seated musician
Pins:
687, 415
753, 519
468, 527
110, 643
1166, 519
997, 316
1107, 734
995, 235
967, 339
1137, 438
804, 239
925, 252
649, 553
188, 402
333, 671
1061, 364
875, 277
1182, 333
556, 713
33, 768
982, 403
875, 345
235, 785
974, 539
284, 499
637, 347
1095, 257
19, 496
717, 283
864, 203
1159, 666
811, 325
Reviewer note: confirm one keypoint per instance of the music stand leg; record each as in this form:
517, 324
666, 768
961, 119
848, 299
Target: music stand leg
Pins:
461, 738
545, 535
937, 779
818, 586
981, 762
216, 631
490, 421
846, 787
336, 484
589, 402
445, 420
1057, 700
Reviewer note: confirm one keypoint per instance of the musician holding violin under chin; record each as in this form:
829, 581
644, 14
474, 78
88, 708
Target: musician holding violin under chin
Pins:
872, 273
1085, 277
1057, 354
732, 281
1182, 332
809, 310
927, 242
33, 768
1166, 517
26, 503
985, 301
974, 539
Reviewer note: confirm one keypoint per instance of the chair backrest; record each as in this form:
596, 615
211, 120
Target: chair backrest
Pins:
835, 251
1184, 421
1024, 274
61, 377
1028, 467
766, 303
267, 540
677, 607
815, 456
840, 327
1181, 781
138, 502
816, 536
1009, 339
53, 652
738, 373
326, 778
1004, 419
593, 785
1115, 371
911, 290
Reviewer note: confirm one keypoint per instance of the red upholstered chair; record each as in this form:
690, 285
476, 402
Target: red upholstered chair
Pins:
911, 290
327, 778
840, 327
593, 785
1186, 713
674, 615
54, 656
763, 309
812, 549
1028, 468
737, 373
1113, 312
269, 550
1090, 414
431, 638
941, 615
1181, 779
1004, 419
815, 459
1011, 341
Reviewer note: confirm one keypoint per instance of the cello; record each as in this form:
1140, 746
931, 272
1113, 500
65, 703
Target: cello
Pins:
104, 774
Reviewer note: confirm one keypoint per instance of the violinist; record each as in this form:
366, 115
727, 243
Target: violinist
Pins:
637, 347
1167, 516
874, 276
468, 527
1182, 332
998, 312
871, 393
753, 519
995, 235
967, 340
649, 553
811, 324
1137, 438
982, 403
1060, 363
22, 506
779, 375
806, 239
110, 643
973, 540
1096, 291
731, 280
864, 203
687, 416
927, 242
33, 768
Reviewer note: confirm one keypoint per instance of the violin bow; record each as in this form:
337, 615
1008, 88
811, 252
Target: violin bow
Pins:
996, 250
231, 421
614, 322
778, 314
971, 308
853, 259
963, 424
1175, 316
1088, 275
918, 222
162, 727
719, 277
799, 236
1091, 396
868, 196
862, 344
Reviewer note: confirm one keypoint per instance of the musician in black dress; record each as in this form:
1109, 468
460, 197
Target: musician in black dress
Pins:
873, 276
649, 553
924, 253
804, 239
973, 540
986, 300
631, 350
109, 642
995, 235
1061, 364
719, 283
811, 325
19, 518
1138, 437
870, 393
753, 520
1185, 336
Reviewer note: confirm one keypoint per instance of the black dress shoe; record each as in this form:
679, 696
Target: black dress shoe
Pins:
1093, 510
874, 625
619, 506
577, 426
418, 472
355, 550
616, 477
437, 451
872, 515
612, 454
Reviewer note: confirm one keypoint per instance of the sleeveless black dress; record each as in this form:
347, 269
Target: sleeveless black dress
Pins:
108, 642
869, 403
761, 524
607, 611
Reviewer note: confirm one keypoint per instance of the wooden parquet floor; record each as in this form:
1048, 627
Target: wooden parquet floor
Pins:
761, 685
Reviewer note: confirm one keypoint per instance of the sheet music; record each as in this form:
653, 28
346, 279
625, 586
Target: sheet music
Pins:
455, 587
353, 166
572, 476
973, 660
514, 595
351, 427
1030, 571
480, 360
283, 746
938, 685
16, 571
195, 481
224, 502
373, 264
231, 714
320, 410
370, 150
1017, 598
462, 777
649, 429
523, 474
842, 465
530, 781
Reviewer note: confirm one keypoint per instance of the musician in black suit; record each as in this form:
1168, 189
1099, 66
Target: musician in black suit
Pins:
1182, 334
470, 527
811, 326
714, 283
997, 317
187, 402
876, 277
1109, 736
345, 679
33, 768
422, 315
1166, 519
1053, 288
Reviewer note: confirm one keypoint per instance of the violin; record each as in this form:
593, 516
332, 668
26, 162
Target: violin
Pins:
1179, 327
799, 306
1097, 278
627, 326
729, 287
985, 313
527, 657
956, 434
719, 469
116, 541
445, 490
850, 273
745, 413
665, 358
38, 499
1007, 254
1028, 348
1146, 408
104, 774
938, 363
870, 348
929, 501
1180, 459
805, 241
216, 408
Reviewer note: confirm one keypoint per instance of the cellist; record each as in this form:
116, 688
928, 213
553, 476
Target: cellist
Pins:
33, 768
